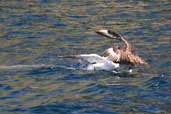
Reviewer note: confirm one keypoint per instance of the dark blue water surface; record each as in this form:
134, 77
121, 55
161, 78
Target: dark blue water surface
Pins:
34, 32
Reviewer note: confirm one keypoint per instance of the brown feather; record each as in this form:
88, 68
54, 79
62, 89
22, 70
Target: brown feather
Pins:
124, 57
125, 54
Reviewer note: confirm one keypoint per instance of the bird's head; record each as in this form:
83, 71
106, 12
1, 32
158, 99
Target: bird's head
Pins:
109, 34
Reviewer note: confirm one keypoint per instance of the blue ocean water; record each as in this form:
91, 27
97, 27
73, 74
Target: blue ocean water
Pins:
35, 32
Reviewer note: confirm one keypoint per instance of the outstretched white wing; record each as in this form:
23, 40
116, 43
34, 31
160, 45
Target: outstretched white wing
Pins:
96, 62
92, 58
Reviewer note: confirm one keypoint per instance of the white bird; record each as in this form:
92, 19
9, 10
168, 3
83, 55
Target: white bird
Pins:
95, 62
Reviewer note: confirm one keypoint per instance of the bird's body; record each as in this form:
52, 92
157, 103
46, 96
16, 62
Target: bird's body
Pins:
124, 57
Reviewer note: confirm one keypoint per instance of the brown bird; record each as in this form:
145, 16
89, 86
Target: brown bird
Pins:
124, 54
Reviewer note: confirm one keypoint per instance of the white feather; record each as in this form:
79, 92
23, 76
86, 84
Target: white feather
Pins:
99, 63
106, 65
92, 58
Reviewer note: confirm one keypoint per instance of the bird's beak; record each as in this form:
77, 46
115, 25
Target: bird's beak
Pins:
106, 33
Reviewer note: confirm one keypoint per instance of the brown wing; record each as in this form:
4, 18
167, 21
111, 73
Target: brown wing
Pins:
127, 57
136, 60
